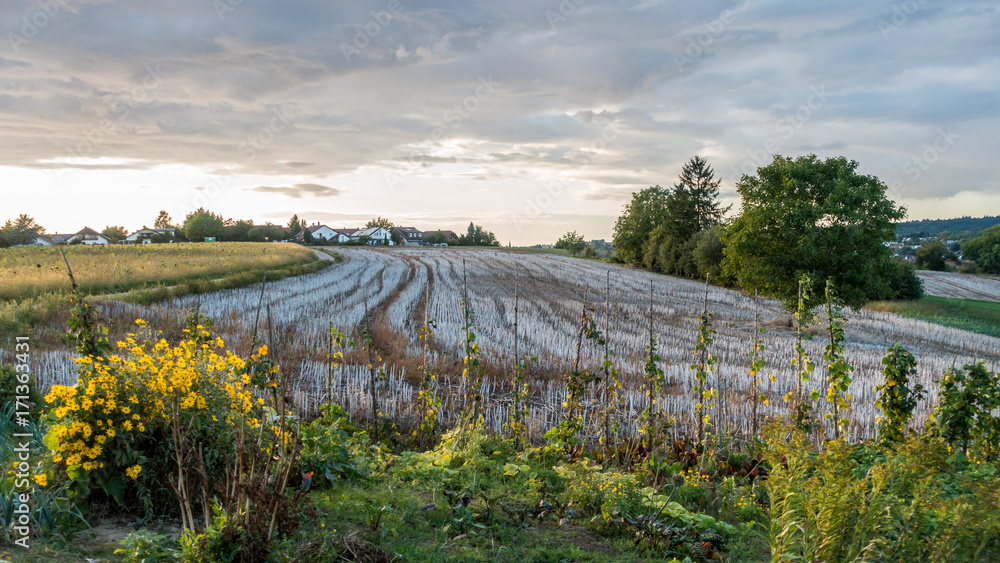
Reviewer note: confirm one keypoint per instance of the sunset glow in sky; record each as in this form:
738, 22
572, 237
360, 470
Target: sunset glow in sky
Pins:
530, 118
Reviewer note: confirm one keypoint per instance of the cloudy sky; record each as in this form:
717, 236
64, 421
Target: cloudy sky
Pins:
531, 118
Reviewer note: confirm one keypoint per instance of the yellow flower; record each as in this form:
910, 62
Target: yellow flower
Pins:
133, 472
42, 479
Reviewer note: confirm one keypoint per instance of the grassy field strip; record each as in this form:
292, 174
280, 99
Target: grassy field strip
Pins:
960, 286
966, 314
552, 290
33, 271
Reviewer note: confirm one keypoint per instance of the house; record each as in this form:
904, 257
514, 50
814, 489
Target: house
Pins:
322, 232
146, 235
375, 235
89, 236
43, 240
85, 235
410, 236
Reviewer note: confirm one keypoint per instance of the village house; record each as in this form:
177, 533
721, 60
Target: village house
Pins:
410, 236
146, 235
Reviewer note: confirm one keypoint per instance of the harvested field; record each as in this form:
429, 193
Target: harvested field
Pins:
552, 292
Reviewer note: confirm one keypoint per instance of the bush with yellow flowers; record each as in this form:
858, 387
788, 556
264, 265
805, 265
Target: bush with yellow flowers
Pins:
155, 414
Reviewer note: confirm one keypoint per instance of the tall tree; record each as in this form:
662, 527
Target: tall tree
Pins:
475, 235
23, 230
163, 221
641, 216
380, 222
813, 217
698, 179
295, 226
115, 234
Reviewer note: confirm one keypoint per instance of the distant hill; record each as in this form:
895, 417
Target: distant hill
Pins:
962, 227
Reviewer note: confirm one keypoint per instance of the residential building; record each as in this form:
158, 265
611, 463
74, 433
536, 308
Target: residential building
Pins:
410, 236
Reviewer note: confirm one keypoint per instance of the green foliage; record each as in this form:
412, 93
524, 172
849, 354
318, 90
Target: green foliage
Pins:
904, 284
325, 455
201, 223
477, 236
934, 256
838, 370
640, 217
964, 416
222, 542
985, 250
702, 367
22, 231
650, 422
807, 216
961, 227
804, 366
896, 397
906, 503
115, 234
141, 546
9, 393
572, 243
163, 221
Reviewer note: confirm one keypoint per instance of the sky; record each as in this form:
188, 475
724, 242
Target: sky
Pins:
531, 118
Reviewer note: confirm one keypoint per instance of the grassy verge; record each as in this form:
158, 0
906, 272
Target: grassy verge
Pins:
337, 258
966, 314
239, 279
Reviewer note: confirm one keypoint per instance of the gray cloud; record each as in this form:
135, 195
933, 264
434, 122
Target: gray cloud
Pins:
716, 78
298, 190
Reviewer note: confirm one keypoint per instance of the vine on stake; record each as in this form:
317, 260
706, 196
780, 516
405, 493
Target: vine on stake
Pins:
804, 366
704, 366
839, 372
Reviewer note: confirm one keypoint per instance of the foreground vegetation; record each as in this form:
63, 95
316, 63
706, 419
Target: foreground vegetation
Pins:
967, 314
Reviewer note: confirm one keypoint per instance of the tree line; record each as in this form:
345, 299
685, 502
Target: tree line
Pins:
801, 217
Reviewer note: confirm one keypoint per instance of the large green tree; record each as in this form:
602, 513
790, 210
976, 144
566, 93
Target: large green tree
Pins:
985, 250
114, 234
200, 224
163, 221
21, 231
572, 242
641, 216
934, 256
817, 217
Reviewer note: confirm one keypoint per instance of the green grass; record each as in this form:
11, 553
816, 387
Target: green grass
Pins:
966, 314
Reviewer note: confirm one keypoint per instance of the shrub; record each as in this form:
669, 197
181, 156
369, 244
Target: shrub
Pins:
157, 414
904, 503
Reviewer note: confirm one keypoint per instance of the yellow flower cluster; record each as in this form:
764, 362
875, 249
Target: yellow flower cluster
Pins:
146, 386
